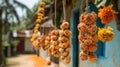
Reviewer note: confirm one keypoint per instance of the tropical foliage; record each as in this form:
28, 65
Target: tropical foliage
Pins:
8, 15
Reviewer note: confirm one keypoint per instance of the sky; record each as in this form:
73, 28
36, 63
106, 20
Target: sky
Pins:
29, 3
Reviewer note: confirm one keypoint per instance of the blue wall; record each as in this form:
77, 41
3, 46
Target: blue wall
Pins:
112, 53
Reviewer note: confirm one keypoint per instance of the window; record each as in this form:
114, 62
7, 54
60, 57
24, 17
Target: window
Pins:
101, 49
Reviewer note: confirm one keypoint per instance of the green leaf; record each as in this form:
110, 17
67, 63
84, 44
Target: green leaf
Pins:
14, 12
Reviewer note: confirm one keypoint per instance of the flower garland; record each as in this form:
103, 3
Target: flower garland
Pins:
87, 36
64, 42
47, 42
40, 15
39, 42
53, 49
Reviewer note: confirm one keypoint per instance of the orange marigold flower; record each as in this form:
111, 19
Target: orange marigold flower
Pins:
106, 14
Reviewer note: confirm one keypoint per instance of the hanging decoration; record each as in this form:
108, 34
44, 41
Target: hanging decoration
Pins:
41, 40
40, 15
49, 45
47, 42
87, 36
64, 38
53, 49
36, 44
105, 34
106, 14
65, 42
92, 57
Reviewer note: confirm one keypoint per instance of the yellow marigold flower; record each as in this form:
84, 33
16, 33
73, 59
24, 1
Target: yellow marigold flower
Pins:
39, 17
105, 34
33, 38
40, 14
106, 14
42, 4
38, 21
37, 25
35, 30
41, 10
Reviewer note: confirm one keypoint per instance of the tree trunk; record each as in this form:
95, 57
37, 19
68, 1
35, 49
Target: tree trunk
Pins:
1, 49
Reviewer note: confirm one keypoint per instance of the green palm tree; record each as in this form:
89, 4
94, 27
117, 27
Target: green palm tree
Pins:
8, 12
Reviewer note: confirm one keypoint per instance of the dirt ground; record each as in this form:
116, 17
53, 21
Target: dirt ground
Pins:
19, 61
30, 61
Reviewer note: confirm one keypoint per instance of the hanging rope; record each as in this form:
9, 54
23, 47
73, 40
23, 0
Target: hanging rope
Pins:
87, 7
64, 9
55, 10
81, 6
43, 30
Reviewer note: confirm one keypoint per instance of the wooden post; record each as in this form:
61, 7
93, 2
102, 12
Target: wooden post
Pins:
75, 42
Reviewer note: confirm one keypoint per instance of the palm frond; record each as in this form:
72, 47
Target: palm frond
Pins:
21, 5
14, 12
34, 9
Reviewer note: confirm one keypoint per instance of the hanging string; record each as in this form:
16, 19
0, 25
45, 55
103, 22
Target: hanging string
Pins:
64, 9
43, 30
51, 13
55, 10
43, 23
87, 7
81, 6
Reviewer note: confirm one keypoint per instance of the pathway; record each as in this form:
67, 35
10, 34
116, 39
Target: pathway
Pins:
30, 61
19, 61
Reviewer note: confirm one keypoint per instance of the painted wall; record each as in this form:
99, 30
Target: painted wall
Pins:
28, 46
112, 53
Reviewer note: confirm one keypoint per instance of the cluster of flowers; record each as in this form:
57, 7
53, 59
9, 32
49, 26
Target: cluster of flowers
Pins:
39, 42
53, 49
105, 34
106, 14
65, 42
88, 37
57, 42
